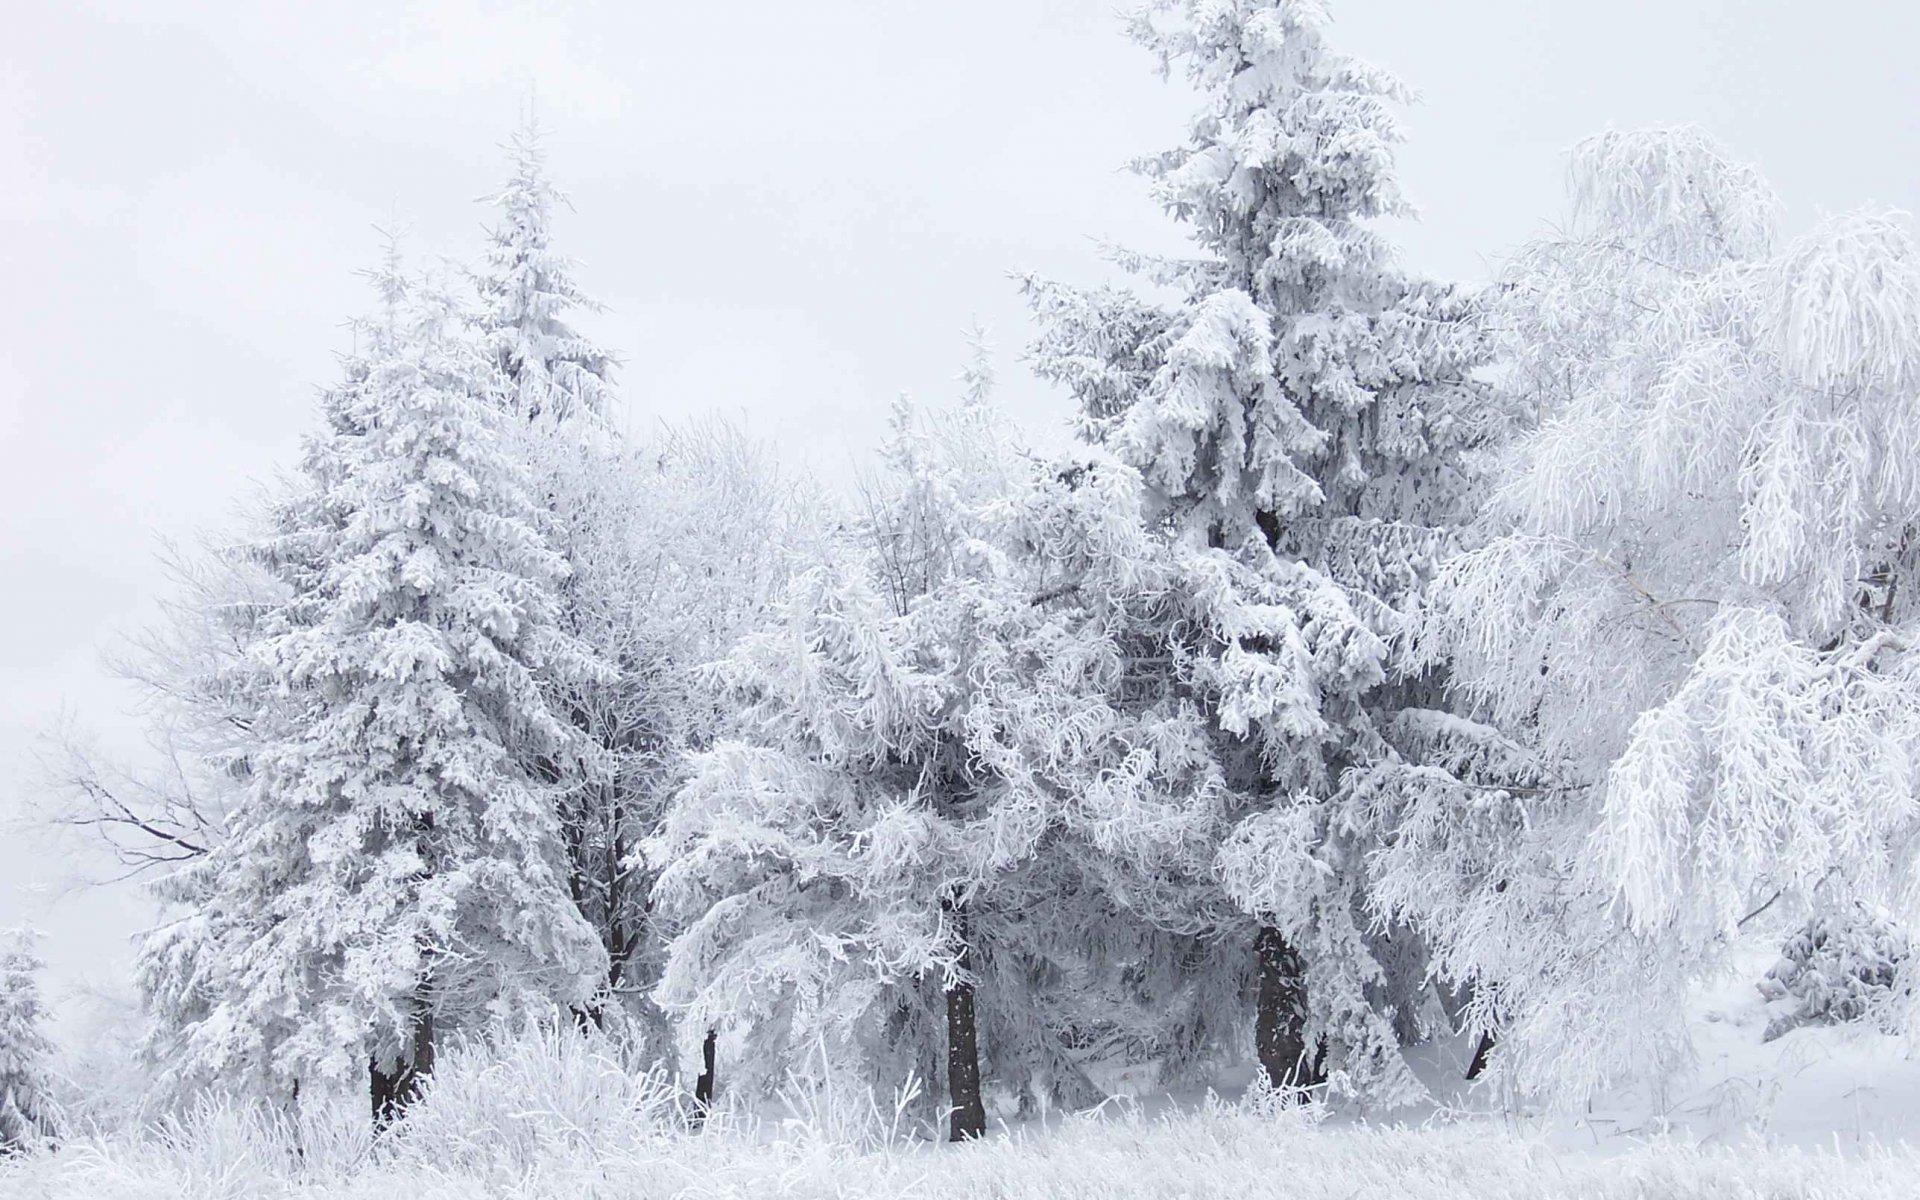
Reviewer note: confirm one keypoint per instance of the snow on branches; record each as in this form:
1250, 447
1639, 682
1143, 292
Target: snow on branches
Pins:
394, 867
1305, 410
26, 1102
545, 367
1694, 603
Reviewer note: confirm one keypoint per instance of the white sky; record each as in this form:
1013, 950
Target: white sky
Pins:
792, 210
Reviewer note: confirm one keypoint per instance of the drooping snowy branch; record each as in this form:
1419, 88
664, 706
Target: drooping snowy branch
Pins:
1694, 600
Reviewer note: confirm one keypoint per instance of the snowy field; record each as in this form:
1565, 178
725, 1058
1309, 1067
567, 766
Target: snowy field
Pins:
1223, 1153
1820, 1112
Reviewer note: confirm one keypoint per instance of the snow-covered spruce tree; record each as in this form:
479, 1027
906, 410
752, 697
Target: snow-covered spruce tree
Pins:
1688, 635
796, 918
545, 368
815, 864
1303, 408
26, 1110
557, 387
394, 871
204, 672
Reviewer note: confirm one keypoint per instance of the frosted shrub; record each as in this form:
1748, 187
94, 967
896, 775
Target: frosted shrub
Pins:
546, 1091
1219, 1152
1268, 1101
1839, 967
830, 1108
214, 1148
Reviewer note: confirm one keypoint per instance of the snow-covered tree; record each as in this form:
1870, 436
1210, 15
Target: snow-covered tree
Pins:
679, 545
879, 842
1687, 636
545, 367
817, 865
559, 387
1841, 966
675, 542
26, 1112
1301, 407
393, 869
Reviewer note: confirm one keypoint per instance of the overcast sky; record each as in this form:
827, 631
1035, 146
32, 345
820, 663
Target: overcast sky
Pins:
791, 210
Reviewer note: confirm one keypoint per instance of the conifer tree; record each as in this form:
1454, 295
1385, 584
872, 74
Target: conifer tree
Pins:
545, 367
1303, 408
559, 388
394, 870
26, 1112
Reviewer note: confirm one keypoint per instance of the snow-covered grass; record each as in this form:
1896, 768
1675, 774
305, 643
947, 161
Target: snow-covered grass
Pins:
559, 1116
224, 1155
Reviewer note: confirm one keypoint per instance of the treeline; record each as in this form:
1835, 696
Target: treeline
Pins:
1390, 661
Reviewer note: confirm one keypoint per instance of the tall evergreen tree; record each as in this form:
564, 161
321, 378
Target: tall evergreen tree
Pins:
823, 866
545, 367
560, 388
1303, 407
876, 850
394, 870
26, 1111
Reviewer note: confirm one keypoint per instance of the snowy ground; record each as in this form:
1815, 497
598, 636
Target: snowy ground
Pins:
1204, 1154
1826, 1087
1820, 1112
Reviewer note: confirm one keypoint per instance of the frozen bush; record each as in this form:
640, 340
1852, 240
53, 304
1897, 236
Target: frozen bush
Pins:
546, 1090
1840, 967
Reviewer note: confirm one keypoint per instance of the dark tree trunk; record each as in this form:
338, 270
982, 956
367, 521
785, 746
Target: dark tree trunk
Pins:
1480, 1053
392, 1091
703, 1086
968, 1115
619, 941
1279, 1031
381, 1089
